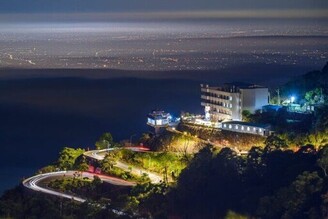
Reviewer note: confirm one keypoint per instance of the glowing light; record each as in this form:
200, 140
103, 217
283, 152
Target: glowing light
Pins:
292, 99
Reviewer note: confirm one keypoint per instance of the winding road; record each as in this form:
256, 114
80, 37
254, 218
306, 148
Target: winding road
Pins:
100, 155
34, 182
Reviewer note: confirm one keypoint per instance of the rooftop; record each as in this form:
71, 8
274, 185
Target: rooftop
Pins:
158, 114
243, 85
233, 87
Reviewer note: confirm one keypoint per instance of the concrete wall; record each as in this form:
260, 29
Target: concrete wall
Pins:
236, 107
254, 99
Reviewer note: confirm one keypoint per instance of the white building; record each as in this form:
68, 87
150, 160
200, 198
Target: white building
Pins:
245, 127
229, 101
158, 120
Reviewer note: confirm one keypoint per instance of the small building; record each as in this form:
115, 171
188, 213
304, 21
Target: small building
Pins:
159, 120
271, 108
246, 127
230, 100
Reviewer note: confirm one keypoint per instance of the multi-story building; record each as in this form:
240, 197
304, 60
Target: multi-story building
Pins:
229, 101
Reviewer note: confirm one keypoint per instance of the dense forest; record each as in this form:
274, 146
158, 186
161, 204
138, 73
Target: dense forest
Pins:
268, 183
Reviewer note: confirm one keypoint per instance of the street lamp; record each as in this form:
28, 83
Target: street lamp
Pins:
292, 99
131, 139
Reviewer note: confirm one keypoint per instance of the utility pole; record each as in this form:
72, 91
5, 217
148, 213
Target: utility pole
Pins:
278, 93
131, 139
108, 145
165, 175
61, 207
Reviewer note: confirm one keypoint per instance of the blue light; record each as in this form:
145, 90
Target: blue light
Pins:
292, 99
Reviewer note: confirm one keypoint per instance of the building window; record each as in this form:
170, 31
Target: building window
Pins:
248, 129
230, 105
225, 126
230, 98
242, 128
254, 129
260, 130
236, 127
230, 126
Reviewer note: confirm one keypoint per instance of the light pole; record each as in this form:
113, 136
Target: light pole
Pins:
131, 139
292, 99
108, 145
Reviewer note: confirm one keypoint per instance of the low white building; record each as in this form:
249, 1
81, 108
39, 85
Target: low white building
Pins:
246, 127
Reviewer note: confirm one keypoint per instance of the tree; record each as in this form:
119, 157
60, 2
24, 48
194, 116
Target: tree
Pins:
83, 166
145, 138
108, 163
68, 156
323, 160
318, 138
255, 163
273, 142
314, 96
298, 200
321, 122
246, 114
104, 141
96, 182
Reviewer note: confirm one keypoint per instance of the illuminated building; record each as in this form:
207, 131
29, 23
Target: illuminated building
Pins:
246, 127
229, 101
159, 120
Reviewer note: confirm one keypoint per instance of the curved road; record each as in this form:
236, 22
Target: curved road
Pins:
100, 155
32, 182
